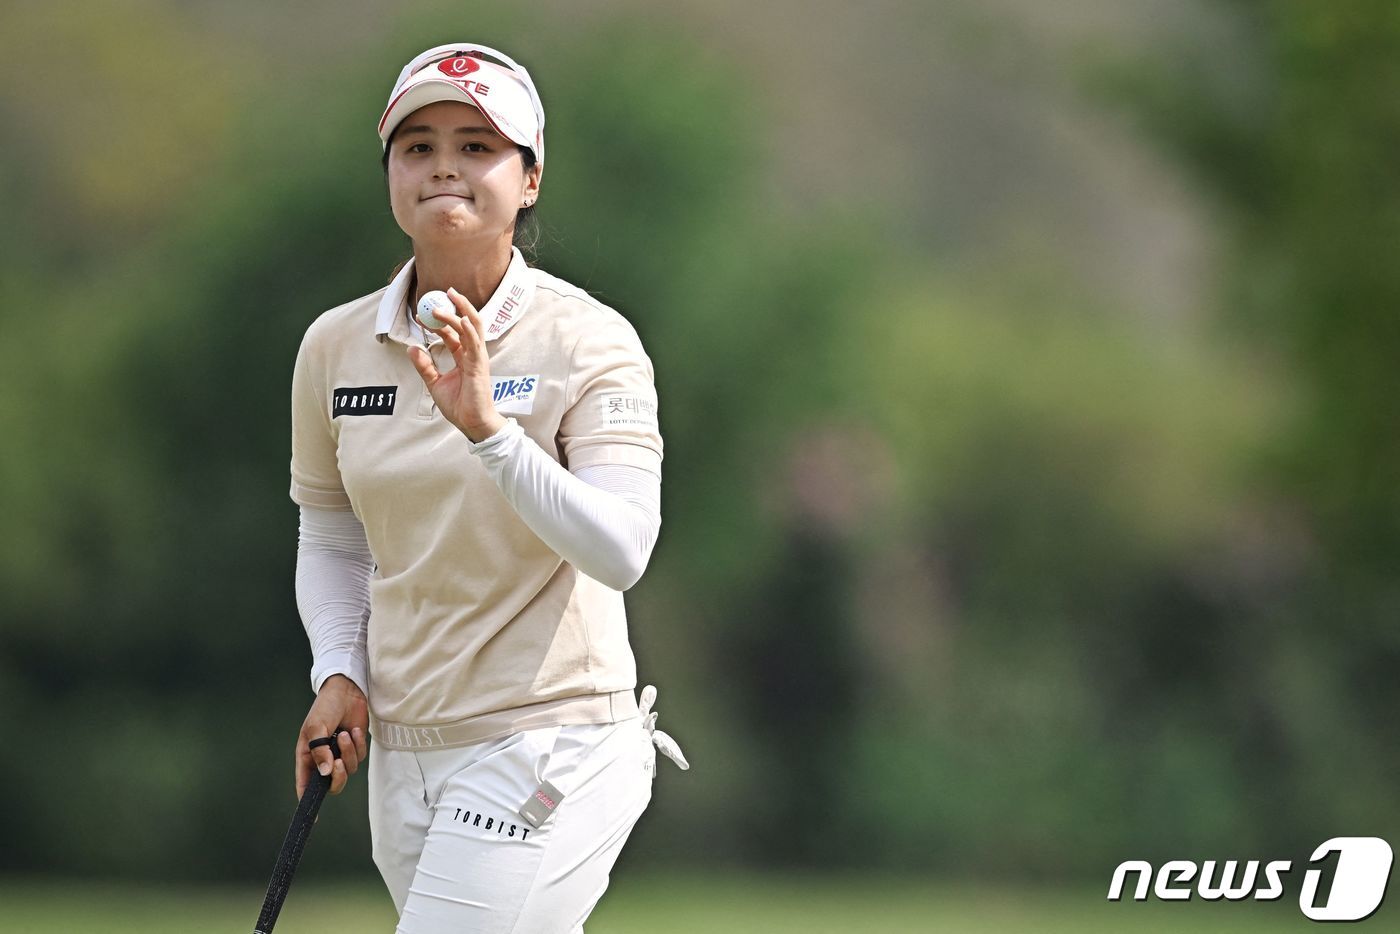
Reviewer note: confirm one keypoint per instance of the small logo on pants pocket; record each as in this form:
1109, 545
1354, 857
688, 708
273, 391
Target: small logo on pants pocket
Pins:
541, 804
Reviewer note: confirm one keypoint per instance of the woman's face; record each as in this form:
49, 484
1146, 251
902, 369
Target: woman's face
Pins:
452, 177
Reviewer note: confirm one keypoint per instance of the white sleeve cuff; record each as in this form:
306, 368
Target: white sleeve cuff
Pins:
508, 432
348, 664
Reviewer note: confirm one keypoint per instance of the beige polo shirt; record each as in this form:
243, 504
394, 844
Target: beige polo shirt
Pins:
476, 629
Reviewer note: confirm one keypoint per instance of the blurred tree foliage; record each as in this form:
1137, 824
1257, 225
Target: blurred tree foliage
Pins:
958, 577
1297, 134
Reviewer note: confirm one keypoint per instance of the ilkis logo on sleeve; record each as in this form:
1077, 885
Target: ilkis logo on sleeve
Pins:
363, 400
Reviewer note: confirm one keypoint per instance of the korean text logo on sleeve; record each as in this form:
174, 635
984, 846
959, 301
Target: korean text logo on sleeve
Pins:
628, 410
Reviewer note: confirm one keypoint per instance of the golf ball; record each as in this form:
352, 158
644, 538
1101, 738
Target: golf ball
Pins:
433, 301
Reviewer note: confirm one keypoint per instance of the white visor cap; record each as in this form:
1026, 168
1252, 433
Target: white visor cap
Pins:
504, 93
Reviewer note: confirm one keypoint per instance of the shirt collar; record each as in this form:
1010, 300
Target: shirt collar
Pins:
506, 305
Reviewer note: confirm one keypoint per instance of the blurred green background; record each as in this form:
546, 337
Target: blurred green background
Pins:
1028, 381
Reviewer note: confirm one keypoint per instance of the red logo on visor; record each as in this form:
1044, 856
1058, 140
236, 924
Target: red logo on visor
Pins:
458, 67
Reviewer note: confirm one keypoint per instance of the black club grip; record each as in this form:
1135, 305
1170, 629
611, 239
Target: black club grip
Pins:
295, 841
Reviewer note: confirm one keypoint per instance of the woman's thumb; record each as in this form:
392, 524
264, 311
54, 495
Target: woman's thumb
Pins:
423, 363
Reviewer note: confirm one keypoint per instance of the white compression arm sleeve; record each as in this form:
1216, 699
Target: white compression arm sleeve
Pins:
604, 521
332, 583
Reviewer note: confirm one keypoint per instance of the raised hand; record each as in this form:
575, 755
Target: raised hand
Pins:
463, 395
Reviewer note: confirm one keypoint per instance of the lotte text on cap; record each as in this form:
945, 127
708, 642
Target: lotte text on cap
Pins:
502, 90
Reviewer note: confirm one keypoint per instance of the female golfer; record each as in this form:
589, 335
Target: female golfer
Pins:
476, 492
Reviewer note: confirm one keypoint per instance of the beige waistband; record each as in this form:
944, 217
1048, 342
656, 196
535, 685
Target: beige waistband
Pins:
590, 708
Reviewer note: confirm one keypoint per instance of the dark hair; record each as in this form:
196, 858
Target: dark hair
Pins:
527, 229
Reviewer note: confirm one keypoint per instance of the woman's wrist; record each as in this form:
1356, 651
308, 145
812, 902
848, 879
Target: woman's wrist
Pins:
479, 433
342, 682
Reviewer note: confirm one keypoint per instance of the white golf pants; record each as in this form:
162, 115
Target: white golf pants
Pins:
458, 856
